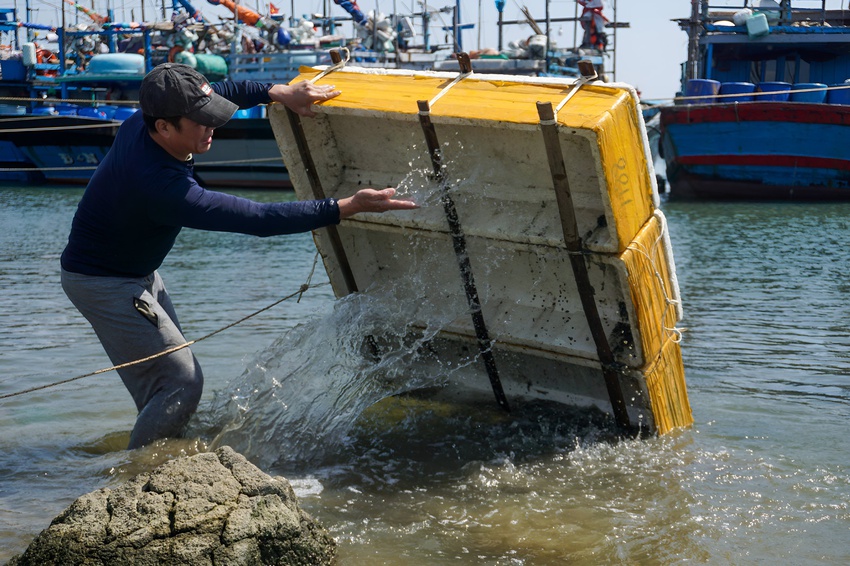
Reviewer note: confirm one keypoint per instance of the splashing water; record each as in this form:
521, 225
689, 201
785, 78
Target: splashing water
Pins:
300, 397
298, 400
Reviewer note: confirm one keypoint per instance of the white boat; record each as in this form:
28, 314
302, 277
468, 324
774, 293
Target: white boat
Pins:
539, 259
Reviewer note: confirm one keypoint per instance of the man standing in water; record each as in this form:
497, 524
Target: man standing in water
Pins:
134, 206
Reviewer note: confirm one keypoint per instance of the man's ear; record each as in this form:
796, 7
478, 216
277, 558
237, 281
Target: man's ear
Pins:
164, 127
161, 127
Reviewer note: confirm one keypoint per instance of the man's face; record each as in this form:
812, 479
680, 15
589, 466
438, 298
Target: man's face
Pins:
185, 138
194, 137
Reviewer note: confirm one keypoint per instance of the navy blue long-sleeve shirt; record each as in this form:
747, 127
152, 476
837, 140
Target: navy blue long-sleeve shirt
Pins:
140, 197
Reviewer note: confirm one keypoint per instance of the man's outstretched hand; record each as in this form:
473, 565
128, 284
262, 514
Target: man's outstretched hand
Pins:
371, 200
301, 96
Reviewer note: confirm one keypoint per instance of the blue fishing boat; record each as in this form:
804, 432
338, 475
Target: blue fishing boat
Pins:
64, 90
765, 111
59, 119
57, 129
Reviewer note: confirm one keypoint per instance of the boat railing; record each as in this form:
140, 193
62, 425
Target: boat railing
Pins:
777, 92
279, 66
283, 66
94, 112
780, 13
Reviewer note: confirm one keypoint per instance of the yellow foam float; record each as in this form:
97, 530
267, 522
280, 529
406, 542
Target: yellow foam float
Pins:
539, 231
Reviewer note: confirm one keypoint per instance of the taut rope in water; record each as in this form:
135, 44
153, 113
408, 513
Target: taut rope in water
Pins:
299, 293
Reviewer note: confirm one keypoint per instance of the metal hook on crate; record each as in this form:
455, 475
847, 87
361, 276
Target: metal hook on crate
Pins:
588, 74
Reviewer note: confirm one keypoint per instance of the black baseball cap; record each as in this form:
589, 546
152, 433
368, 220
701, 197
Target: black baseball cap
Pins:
172, 90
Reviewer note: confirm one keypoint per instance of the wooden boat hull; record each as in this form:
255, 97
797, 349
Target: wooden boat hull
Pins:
53, 149
552, 299
66, 149
757, 150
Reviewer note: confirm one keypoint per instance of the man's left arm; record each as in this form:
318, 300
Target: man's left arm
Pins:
246, 94
299, 96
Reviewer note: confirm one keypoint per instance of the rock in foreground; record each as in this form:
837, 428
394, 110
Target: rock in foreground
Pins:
208, 509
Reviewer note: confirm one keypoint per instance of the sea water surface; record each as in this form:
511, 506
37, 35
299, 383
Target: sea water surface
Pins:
763, 476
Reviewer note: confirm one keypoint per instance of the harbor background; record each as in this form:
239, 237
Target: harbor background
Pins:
649, 53
762, 477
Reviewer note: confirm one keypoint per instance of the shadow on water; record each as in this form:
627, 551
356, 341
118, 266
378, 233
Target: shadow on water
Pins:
427, 438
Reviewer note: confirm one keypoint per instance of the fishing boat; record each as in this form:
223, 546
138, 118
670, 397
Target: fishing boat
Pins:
57, 129
540, 274
76, 103
765, 111
58, 118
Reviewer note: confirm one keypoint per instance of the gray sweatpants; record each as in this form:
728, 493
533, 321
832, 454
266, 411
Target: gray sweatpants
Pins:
134, 319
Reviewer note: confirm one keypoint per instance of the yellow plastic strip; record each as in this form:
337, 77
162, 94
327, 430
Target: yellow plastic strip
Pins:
505, 100
625, 166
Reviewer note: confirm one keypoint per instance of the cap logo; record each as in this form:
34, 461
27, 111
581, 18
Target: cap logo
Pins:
206, 88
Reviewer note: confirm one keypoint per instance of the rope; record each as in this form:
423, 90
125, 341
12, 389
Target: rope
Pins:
31, 169
309, 277
446, 89
754, 94
109, 124
92, 167
575, 88
301, 290
232, 161
674, 333
86, 101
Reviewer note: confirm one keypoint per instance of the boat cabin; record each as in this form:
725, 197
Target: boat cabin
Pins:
767, 47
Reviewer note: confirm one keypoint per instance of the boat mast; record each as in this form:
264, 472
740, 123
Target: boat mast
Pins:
692, 70
614, 49
548, 34
500, 6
